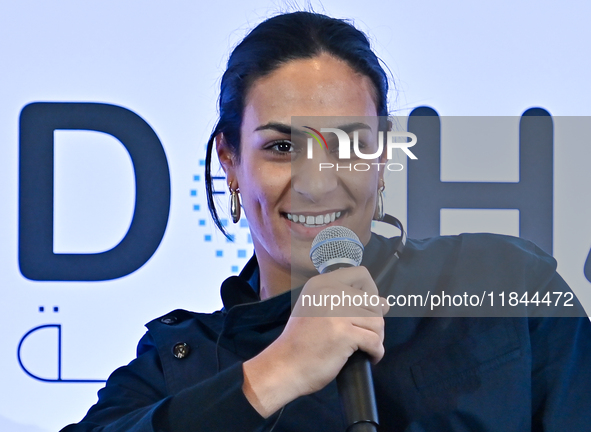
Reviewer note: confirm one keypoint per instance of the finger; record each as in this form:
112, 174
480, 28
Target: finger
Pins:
370, 343
350, 302
371, 323
355, 277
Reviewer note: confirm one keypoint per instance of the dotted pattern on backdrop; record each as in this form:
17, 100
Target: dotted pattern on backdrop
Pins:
235, 251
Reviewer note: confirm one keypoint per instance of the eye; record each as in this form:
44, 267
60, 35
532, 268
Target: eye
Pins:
282, 147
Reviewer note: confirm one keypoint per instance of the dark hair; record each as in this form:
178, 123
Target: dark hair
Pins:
269, 45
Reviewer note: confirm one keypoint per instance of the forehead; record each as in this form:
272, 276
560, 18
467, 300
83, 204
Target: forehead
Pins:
319, 86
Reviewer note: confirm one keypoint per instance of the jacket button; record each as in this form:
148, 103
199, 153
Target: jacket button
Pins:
169, 320
181, 350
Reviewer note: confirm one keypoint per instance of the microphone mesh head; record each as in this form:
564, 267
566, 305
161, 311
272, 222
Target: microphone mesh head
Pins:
333, 243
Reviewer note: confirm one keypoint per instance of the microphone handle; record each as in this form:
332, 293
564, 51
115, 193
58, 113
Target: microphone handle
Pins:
355, 385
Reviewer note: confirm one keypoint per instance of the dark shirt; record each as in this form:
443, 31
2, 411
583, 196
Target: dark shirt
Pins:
438, 373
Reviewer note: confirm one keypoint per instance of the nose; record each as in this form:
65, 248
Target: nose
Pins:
314, 178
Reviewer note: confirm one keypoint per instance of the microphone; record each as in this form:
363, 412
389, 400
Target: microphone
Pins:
333, 248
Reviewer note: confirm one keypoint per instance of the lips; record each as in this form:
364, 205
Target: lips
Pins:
311, 221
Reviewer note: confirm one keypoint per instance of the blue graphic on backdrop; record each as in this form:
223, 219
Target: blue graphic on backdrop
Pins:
240, 246
58, 378
37, 261
532, 195
427, 194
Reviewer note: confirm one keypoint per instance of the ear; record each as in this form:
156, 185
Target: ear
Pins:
227, 157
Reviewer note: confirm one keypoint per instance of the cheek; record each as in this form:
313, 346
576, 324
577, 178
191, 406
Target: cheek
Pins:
364, 185
263, 190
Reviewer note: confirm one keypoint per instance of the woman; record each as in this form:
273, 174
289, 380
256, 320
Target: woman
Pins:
258, 365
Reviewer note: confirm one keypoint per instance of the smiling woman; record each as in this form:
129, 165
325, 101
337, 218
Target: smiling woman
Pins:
263, 364
274, 183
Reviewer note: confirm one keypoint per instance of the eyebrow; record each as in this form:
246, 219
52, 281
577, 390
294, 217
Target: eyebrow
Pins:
350, 127
287, 129
278, 127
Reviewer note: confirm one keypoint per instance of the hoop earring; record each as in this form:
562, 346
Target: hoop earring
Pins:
234, 204
378, 214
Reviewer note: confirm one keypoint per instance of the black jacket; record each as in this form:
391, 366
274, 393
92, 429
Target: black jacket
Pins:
438, 373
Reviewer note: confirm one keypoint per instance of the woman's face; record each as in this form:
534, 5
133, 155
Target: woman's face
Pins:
279, 184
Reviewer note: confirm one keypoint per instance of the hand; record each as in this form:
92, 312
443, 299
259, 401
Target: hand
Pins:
317, 340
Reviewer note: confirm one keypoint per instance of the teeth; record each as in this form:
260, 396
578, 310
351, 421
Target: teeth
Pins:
312, 221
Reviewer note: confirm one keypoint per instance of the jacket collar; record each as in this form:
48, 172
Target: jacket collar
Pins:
244, 310
244, 288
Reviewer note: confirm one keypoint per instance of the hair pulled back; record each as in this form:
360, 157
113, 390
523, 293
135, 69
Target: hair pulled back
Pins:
274, 42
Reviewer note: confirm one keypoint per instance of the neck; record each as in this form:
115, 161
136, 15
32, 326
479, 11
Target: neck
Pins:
277, 280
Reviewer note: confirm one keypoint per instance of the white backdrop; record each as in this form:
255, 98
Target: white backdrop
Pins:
164, 61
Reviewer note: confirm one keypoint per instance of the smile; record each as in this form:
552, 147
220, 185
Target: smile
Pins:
313, 221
